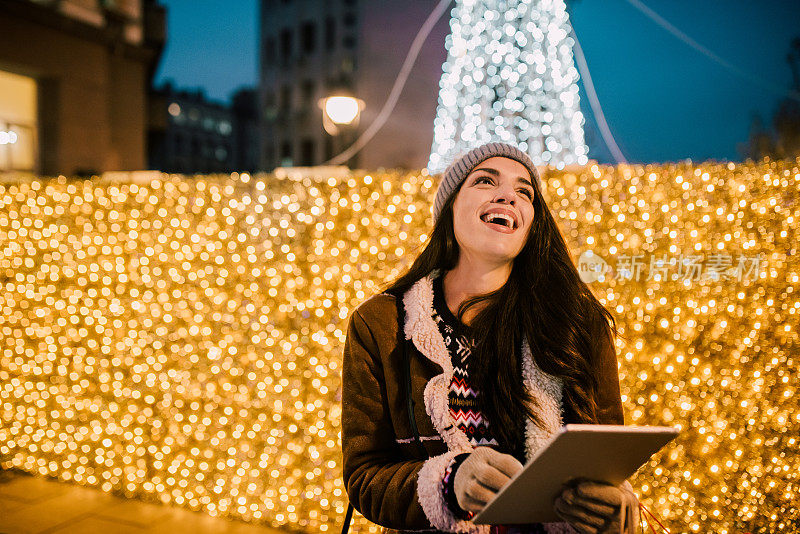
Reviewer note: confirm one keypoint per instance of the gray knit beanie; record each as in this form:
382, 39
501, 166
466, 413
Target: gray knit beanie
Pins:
462, 166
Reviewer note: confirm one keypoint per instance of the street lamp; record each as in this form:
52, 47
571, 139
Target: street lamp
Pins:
340, 111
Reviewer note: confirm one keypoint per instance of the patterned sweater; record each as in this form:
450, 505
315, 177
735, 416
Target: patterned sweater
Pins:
463, 398
463, 403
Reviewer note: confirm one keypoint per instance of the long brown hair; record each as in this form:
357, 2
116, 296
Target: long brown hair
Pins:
544, 301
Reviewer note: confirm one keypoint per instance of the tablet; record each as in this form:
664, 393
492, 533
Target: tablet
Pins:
607, 453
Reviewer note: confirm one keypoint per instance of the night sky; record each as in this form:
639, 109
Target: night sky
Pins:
663, 100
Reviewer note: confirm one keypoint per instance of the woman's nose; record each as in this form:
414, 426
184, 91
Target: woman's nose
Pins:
504, 194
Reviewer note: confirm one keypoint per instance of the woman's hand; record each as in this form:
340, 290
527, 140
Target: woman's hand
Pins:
594, 507
481, 476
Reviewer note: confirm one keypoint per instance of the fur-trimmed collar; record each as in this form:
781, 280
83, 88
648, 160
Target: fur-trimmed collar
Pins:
421, 328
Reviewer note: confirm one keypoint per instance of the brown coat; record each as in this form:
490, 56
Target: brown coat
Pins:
388, 478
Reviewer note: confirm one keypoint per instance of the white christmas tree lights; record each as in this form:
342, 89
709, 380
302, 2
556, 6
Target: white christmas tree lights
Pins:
509, 76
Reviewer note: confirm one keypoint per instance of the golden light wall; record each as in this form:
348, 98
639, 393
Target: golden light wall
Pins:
180, 340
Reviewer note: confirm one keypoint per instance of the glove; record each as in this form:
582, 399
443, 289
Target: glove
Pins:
595, 507
481, 476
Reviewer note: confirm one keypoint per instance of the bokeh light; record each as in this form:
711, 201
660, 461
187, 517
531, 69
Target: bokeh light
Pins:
180, 340
342, 109
509, 76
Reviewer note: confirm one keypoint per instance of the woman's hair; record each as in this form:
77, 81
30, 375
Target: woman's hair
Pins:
544, 301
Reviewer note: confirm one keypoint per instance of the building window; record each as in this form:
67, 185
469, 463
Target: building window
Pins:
307, 152
348, 64
183, 145
308, 37
349, 42
269, 155
286, 46
18, 118
270, 109
308, 93
330, 33
349, 19
269, 51
285, 101
286, 154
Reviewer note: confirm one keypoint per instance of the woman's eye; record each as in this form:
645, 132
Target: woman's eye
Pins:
483, 179
527, 193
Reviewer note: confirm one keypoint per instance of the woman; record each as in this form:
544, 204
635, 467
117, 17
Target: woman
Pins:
456, 374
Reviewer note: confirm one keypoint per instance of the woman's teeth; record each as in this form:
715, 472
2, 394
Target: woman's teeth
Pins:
499, 218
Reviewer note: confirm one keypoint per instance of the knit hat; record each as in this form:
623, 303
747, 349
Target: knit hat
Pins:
462, 166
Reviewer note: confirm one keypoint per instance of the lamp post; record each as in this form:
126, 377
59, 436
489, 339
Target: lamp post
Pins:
340, 112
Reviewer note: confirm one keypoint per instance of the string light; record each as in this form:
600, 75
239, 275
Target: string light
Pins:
509, 76
180, 340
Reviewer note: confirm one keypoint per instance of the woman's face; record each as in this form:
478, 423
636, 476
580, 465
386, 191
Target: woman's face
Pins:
493, 210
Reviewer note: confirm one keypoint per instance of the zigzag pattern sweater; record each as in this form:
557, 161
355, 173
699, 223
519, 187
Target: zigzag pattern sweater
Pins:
463, 402
463, 398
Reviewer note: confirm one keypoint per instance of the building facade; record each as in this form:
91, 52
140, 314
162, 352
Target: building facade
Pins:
189, 133
246, 130
74, 77
311, 49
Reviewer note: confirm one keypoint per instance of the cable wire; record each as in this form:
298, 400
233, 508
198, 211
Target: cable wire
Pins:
599, 116
661, 21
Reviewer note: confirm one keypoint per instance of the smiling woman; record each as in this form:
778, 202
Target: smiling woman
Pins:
496, 198
462, 368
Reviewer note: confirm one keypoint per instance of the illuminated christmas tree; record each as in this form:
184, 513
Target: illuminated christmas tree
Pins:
509, 76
